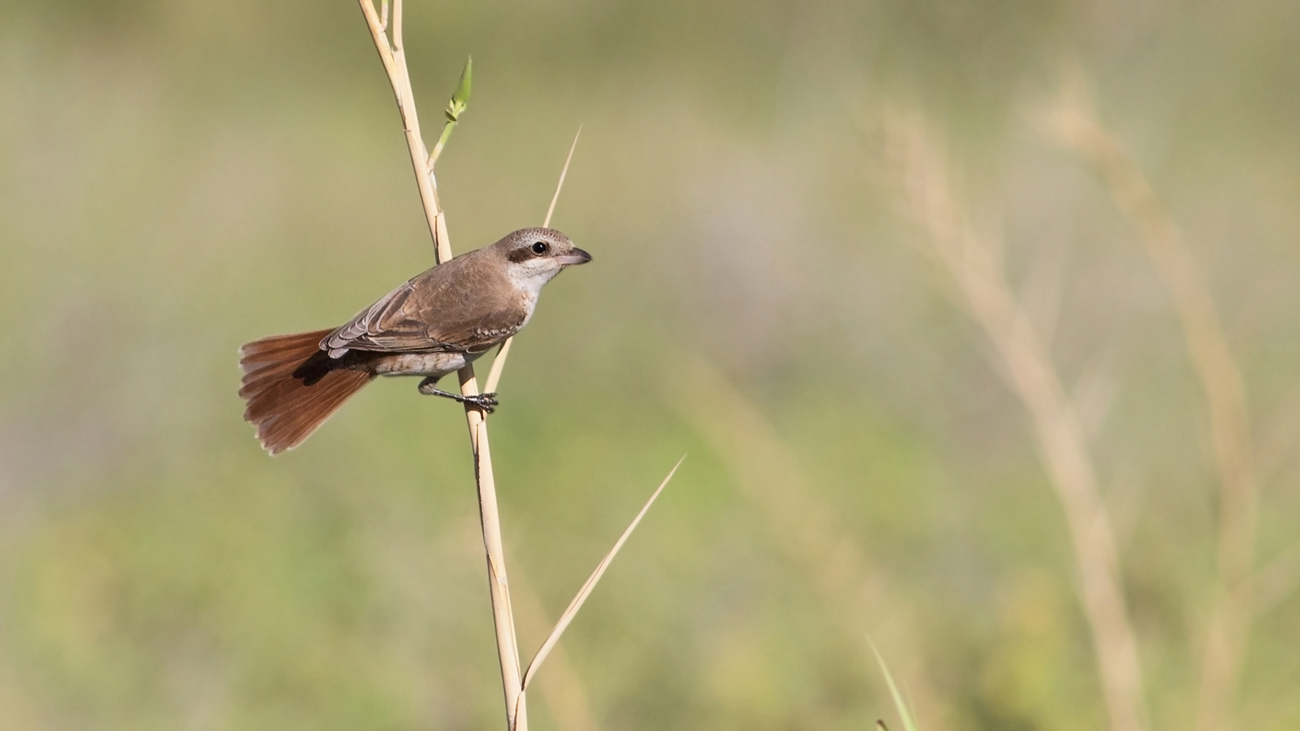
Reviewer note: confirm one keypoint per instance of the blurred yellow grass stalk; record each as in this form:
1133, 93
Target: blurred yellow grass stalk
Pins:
1074, 125
805, 528
904, 711
975, 266
393, 57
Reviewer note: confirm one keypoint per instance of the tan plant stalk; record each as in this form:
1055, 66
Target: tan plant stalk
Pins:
1075, 126
513, 683
975, 268
393, 58
563, 692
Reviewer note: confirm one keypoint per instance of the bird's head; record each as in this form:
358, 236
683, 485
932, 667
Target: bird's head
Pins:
535, 255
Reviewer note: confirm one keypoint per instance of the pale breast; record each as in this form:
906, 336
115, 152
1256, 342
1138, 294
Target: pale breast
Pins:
423, 364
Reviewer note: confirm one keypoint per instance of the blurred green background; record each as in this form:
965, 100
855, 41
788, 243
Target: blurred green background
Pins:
177, 178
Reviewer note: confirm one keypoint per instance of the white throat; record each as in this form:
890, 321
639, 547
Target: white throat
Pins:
529, 277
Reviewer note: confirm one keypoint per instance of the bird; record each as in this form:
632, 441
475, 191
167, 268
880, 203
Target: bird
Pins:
436, 323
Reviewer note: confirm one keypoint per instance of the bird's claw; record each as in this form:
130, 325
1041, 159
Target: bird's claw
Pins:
486, 401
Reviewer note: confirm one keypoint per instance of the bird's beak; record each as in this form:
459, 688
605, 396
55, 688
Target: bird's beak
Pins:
577, 256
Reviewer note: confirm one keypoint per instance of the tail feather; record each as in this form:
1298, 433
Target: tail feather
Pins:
288, 427
267, 372
283, 408
292, 427
266, 350
264, 378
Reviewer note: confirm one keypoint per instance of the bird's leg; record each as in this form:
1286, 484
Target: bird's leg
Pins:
486, 401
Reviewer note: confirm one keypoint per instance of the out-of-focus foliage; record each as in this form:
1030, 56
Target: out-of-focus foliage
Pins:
177, 178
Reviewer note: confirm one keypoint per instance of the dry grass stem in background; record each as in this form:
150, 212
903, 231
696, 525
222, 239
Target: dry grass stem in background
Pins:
904, 712
1074, 124
393, 57
805, 528
974, 264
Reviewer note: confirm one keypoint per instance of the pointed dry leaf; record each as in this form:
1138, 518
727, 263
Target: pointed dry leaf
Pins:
590, 584
498, 365
564, 172
909, 723
499, 362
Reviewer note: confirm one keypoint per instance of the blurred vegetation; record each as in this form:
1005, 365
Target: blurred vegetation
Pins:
179, 178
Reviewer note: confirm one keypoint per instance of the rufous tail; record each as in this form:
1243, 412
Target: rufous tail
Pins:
285, 403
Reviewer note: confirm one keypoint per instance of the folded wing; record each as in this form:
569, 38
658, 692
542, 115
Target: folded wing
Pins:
446, 309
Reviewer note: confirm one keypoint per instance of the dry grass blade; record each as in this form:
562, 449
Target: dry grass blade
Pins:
905, 713
592, 580
563, 173
974, 265
1075, 126
499, 363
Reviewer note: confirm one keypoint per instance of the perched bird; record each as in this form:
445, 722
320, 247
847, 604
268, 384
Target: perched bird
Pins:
433, 325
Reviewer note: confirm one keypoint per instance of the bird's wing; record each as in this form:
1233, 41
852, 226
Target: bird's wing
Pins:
450, 310
385, 326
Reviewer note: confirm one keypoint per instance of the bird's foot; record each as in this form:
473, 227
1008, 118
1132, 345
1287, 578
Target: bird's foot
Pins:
485, 401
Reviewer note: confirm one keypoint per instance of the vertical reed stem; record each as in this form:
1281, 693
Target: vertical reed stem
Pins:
394, 60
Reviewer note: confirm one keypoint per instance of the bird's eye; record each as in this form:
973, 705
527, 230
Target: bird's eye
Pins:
539, 247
